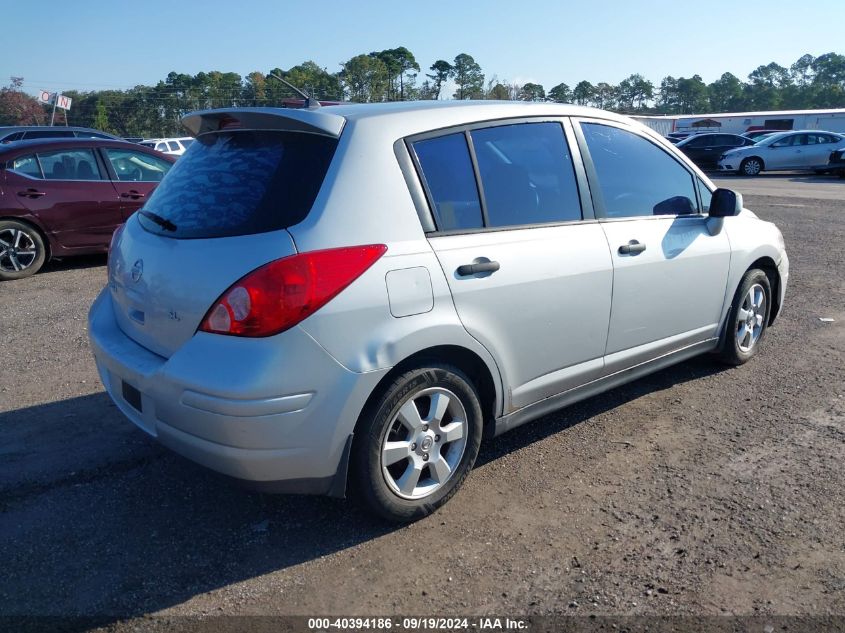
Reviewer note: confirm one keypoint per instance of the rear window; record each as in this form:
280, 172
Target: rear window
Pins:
240, 183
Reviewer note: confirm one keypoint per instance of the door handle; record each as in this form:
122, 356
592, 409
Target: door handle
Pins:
31, 193
631, 248
132, 194
473, 269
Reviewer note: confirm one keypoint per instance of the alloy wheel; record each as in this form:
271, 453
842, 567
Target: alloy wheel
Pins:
424, 443
750, 318
752, 167
18, 250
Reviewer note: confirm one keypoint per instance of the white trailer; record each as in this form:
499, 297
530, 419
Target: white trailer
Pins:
738, 122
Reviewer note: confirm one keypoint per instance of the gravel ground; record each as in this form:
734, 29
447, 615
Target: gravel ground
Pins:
700, 490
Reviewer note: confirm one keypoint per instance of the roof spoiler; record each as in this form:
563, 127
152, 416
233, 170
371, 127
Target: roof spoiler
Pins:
307, 121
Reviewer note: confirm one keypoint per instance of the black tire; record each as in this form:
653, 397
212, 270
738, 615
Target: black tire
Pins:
379, 423
733, 351
751, 166
22, 251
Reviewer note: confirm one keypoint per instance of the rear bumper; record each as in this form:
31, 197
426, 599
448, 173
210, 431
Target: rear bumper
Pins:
278, 410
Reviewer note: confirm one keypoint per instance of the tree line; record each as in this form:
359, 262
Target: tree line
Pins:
395, 75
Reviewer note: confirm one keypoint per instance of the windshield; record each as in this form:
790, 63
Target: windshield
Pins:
762, 137
240, 182
771, 138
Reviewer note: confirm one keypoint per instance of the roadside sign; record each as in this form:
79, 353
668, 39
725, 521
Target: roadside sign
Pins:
45, 96
63, 102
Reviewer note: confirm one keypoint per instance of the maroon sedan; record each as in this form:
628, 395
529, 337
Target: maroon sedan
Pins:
66, 197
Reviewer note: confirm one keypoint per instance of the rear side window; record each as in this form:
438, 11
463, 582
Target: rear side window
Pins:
48, 134
448, 173
526, 174
26, 165
240, 183
635, 176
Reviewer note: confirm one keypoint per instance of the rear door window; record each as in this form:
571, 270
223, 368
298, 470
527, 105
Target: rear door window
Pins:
526, 174
698, 143
239, 183
75, 164
87, 134
449, 177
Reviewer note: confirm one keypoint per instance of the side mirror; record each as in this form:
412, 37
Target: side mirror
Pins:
725, 203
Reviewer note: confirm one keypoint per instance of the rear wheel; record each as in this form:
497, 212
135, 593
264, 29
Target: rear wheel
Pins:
751, 166
417, 444
22, 251
748, 318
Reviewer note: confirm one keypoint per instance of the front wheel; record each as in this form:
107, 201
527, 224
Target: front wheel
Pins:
417, 444
22, 251
751, 166
748, 318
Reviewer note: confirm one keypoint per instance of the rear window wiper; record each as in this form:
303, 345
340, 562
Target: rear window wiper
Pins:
164, 223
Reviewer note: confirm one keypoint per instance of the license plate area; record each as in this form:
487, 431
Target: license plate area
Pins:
132, 396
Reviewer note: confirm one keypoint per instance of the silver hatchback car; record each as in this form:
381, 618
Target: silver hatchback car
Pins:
362, 292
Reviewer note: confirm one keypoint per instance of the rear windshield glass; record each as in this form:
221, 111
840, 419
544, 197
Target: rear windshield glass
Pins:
239, 183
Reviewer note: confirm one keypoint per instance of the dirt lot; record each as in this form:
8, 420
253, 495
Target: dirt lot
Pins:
699, 490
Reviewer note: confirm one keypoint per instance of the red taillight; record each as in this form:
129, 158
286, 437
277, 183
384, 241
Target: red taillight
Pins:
280, 294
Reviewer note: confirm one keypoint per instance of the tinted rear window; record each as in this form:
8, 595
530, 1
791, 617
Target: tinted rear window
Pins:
240, 183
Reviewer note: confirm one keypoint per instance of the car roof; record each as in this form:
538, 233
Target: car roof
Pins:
11, 129
695, 137
31, 128
59, 143
400, 117
806, 132
704, 134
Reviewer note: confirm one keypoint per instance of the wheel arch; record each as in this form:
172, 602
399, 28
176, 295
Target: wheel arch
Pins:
768, 266
476, 369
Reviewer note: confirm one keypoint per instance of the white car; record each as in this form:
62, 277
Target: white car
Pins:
800, 149
172, 146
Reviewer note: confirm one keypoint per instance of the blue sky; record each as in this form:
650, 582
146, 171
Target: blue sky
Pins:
89, 44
